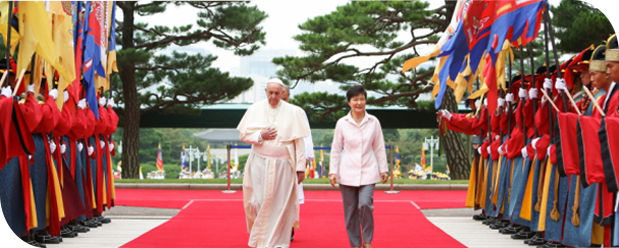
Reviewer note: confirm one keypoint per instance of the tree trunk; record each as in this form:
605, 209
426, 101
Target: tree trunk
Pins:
131, 136
459, 166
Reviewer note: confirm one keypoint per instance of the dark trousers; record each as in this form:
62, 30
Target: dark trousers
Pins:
358, 213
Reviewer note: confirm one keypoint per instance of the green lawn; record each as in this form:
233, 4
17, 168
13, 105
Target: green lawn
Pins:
306, 181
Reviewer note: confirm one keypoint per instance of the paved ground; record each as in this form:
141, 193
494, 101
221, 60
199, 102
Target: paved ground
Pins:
130, 222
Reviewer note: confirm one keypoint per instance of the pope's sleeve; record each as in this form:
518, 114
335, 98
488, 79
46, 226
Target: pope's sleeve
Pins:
300, 154
251, 136
309, 143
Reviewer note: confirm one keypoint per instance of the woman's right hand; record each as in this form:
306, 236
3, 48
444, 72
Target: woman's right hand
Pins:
332, 180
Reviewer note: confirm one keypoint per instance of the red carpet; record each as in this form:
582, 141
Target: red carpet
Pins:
221, 223
179, 198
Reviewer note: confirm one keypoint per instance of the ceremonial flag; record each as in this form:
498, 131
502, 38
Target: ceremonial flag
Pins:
63, 38
208, 157
111, 56
455, 20
423, 158
467, 45
514, 20
397, 156
315, 171
159, 158
141, 175
236, 160
184, 160
4, 24
322, 164
36, 33
440, 86
78, 46
93, 42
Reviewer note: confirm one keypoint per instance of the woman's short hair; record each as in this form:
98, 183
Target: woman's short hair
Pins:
355, 91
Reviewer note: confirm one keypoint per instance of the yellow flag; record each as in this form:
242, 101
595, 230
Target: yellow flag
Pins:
36, 32
4, 20
63, 39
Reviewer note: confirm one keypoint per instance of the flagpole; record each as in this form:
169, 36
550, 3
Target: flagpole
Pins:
522, 87
554, 52
546, 41
533, 83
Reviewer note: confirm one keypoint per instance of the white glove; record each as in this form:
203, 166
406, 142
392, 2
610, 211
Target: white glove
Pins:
90, 150
547, 83
524, 152
479, 150
82, 104
80, 146
488, 149
500, 102
522, 93
102, 143
7, 91
63, 148
509, 97
66, 96
446, 114
110, 102
111, 146
544, 100
52, 147
54, 93
533, 93
548, 151
533, 142
31, 88
500, 150
560, 84
102, 101
486, 102
477, 103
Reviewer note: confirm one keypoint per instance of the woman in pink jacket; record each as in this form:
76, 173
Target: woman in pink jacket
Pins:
358, 162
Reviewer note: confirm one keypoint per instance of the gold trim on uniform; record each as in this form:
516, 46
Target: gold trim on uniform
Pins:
598, 65
612, 54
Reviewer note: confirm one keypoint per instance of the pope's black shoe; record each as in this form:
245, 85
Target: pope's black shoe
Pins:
292, 235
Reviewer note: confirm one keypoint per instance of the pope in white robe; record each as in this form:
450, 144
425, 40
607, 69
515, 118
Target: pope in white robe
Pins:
275, 166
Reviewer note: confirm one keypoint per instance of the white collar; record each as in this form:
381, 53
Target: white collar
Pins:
349, 117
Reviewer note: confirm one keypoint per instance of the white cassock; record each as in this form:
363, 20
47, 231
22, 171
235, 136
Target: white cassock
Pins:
309, 153
270, 178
